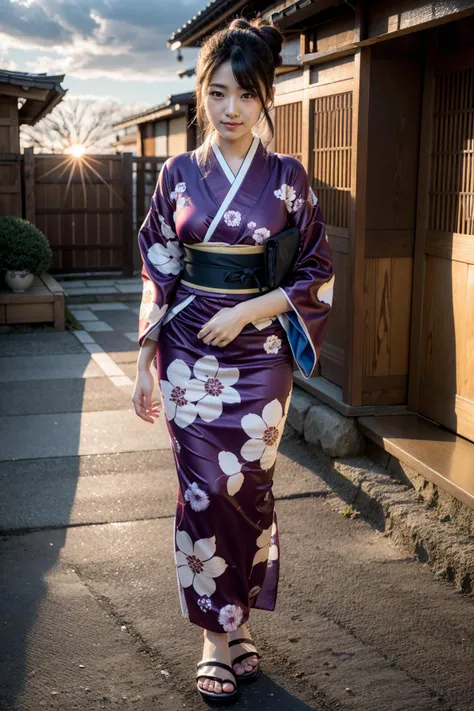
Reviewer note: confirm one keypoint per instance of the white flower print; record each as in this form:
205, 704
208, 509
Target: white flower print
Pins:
254, 591
153, 313
267, 548
312, 198
326, 291
251, 225
272, 344
265, 433
232, 218
177, 406
205, 603
229, 464
166, 259
177, 446
230, 617
180, 203
263, 323
197, 565
148, 294
197, 498
212, 387
261, 235
180, 188
166, 229
286, 193
299, 202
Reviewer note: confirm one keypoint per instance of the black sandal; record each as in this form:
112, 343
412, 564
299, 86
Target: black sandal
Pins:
246, 676
224, 695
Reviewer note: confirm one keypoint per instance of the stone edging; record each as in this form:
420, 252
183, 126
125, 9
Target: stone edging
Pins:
392, 506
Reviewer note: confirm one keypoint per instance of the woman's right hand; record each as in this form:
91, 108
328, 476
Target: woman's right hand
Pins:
145, 408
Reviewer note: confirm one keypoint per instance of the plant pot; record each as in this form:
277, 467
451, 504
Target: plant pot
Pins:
19, 281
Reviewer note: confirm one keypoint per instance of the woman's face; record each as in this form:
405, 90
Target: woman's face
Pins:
231, 110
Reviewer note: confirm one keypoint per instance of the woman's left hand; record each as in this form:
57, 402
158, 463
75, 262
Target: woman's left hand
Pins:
222, 328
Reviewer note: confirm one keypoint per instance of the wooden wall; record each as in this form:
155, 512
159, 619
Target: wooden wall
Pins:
392, 175
10, 160
177, 136
84, 209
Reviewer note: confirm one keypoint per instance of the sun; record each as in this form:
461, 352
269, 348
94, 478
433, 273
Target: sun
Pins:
76, 150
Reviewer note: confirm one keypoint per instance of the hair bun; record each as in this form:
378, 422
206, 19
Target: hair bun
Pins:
273, 37
266, 32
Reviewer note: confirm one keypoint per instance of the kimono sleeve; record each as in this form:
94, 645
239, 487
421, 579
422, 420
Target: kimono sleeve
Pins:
309, 287
161, 256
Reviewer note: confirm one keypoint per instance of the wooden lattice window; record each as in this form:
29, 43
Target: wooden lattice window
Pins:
332, 149
452, 157
288, 129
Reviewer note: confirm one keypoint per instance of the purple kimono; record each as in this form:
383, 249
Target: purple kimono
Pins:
225, 408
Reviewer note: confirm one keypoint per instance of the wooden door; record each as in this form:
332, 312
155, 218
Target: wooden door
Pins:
442, 354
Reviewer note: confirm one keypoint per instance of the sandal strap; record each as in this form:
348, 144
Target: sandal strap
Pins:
241, 657
240, 640
221, 681
212, 663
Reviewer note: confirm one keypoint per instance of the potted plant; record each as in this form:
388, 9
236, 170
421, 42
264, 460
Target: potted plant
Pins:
24, 252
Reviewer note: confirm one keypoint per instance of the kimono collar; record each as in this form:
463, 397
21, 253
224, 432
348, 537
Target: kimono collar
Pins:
245, 163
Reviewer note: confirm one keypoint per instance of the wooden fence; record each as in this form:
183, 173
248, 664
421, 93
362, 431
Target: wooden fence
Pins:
90, 208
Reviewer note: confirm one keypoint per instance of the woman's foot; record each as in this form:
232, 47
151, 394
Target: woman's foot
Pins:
248, 664
216, 647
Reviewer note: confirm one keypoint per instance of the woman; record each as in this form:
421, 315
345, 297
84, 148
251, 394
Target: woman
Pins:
225, 345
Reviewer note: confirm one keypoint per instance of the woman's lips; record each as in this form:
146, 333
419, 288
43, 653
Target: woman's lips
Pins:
231, 125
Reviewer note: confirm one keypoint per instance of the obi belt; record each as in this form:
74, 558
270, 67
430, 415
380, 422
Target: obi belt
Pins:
224, 268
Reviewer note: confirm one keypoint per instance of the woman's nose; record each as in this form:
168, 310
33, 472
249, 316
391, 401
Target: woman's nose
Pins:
232, 107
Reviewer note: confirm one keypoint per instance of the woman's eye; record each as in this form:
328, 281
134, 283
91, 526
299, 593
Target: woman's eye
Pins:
213, 93
249, 95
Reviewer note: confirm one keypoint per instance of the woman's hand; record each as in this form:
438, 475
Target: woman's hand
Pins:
223, 327
142, 394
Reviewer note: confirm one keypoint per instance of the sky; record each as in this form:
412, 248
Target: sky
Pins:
106, 48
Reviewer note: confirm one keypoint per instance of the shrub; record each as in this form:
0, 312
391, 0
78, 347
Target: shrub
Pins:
23, 246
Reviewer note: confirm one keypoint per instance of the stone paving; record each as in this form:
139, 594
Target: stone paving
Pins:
90, 615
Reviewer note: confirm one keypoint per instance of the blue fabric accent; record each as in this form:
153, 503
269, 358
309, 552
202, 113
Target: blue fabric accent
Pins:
300, 344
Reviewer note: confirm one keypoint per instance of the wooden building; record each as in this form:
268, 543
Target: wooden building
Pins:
24, 99
163, 130
380, 110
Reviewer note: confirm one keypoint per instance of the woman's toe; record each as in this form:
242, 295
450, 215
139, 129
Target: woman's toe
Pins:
228, 688
238, 669
217, 688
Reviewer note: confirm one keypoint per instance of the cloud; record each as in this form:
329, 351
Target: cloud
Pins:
118, 39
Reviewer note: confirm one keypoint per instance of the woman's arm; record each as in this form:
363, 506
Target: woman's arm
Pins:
264, 306
146, 354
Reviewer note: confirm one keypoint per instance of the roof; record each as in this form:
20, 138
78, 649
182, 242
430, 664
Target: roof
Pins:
171, 106
217, 12
40, 91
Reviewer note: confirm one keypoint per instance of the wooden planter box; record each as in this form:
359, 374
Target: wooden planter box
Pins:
43, 302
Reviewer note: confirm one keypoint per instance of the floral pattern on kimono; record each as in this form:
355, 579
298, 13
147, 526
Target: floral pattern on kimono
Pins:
309, 286
225, 408
161, 257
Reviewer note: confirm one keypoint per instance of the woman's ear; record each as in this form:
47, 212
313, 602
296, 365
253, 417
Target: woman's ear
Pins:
274, 90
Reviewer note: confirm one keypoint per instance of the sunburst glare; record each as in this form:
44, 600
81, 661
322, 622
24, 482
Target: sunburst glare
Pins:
76, 150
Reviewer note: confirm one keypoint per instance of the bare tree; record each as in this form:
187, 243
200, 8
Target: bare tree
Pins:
78, 121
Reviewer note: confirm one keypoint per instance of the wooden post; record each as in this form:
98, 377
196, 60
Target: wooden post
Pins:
127, 224
419, 265
352, 391
29, 208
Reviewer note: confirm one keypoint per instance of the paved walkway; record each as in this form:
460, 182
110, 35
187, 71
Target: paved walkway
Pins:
90, 616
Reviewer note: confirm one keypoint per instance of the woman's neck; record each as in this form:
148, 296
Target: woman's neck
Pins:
234, 150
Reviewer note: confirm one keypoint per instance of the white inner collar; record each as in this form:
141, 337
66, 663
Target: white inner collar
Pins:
245, 163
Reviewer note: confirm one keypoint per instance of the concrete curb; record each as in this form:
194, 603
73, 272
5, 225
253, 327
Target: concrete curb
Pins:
394, 508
